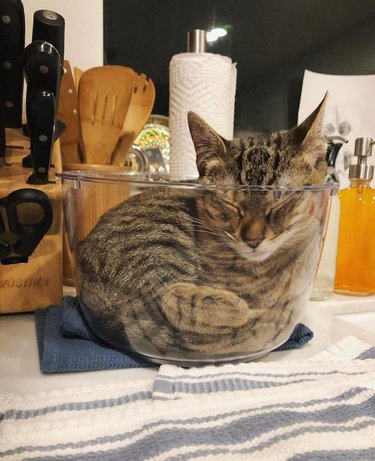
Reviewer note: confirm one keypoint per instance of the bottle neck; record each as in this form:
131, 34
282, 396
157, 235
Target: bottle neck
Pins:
356, 182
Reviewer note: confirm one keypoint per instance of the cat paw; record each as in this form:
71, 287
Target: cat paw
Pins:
203, 309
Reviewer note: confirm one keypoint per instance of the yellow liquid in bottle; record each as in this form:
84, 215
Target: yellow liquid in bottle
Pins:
355, 271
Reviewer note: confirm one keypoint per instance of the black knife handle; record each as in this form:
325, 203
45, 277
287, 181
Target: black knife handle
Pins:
41, 117
50, 27
12, 40
42, 66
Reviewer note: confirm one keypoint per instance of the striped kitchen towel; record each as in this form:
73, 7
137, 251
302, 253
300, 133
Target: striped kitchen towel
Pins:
322, 408
173, 382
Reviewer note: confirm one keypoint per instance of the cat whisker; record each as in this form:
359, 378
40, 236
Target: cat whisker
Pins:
216, 233
206, 230
230, 236
201, 227
199, 222
222, 240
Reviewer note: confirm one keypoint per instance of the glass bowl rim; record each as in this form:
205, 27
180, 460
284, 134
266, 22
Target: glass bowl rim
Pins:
151, 180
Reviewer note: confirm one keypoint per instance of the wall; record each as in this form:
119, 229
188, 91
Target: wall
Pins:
272, 41
83, 28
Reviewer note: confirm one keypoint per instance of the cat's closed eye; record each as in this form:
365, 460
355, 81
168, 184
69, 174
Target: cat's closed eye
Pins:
222, 210
281, 209
234, 207
275, 216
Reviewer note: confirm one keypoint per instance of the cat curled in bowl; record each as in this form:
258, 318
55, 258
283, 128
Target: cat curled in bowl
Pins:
218, 271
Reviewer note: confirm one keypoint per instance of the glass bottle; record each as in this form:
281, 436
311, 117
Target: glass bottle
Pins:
324, 283
355, 272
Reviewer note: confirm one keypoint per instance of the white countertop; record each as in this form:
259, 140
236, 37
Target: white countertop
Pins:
330, 321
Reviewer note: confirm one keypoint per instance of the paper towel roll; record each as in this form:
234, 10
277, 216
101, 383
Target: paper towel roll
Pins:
204, 83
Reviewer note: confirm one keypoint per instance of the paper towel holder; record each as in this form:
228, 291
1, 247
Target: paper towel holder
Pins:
196, 41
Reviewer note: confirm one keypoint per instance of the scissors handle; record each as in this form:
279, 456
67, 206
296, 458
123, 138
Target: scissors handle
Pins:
5, 248
26, 235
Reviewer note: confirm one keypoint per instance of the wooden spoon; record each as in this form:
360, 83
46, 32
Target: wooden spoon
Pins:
68, 113
77, 75
140, 109
104, 95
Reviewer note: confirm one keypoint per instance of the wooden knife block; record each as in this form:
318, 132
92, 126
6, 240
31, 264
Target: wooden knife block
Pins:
37, 283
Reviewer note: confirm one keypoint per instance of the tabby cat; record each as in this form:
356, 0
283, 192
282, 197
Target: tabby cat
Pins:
189, 276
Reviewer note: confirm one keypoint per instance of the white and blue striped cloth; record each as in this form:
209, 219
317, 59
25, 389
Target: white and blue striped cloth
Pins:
322, 408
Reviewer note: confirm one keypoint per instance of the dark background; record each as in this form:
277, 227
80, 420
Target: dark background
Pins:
272, 41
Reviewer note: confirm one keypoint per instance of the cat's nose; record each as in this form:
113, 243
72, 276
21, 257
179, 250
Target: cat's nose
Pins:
254, 243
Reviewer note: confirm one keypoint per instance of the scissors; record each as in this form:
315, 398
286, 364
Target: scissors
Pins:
20, 235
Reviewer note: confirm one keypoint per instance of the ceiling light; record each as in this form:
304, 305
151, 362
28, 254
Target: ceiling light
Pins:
216, 33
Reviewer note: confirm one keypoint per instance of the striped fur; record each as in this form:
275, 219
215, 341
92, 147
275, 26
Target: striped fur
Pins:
191, 276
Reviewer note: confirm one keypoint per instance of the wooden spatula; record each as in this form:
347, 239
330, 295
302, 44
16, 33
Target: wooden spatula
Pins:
68, 113
104, 95
140, 108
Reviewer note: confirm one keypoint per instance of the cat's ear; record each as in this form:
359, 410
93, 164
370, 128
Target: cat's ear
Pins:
310, 135
208, 144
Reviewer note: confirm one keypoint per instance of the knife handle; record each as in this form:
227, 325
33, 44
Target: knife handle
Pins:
50, 27
41, 117
12, 39
42, 66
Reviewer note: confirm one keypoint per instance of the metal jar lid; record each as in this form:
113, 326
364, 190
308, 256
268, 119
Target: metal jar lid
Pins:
362, 150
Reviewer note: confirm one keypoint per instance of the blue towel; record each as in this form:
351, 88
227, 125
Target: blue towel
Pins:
299, 337
67, 344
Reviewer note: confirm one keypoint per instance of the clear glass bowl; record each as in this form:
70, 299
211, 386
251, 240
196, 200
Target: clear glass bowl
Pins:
191, 274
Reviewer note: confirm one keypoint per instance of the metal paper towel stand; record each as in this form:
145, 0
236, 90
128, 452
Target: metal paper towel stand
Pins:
196, 41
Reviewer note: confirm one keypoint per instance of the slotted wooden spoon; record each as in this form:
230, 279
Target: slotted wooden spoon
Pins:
104, 95
140, 109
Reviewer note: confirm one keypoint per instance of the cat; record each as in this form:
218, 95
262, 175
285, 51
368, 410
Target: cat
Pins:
208, 277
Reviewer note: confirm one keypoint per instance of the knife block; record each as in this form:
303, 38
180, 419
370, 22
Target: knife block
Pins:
37, 283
